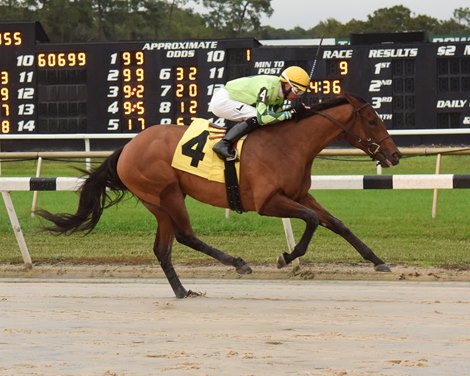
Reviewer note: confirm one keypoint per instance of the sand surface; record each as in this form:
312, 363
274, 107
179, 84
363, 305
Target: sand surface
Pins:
135, 326
331, 271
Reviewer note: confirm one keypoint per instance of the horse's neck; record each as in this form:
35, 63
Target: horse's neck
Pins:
319, 132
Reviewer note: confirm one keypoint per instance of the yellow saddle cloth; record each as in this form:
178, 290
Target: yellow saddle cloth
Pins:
194, 151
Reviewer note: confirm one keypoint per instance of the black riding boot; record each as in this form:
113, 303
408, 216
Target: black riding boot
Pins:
224, 148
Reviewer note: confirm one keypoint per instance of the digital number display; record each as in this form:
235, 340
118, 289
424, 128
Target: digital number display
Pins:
326, 87
61, 59
414, 85
11, 38
121, 87
186, 93
334, 68
125, 87
4, 102
133, 90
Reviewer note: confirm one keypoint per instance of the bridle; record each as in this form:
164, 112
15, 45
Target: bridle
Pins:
373, 148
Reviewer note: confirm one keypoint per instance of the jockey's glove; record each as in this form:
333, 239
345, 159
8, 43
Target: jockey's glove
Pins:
298, 111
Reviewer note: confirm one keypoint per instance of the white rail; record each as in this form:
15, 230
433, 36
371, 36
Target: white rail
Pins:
445, 181
86, 137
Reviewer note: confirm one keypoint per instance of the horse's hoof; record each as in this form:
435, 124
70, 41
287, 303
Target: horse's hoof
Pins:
182, 293
382, 268
241, 266
193, 294
244, 269
295, 268
281, 262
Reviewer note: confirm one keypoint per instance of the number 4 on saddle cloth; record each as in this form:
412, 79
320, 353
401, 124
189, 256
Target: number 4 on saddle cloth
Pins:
194, 154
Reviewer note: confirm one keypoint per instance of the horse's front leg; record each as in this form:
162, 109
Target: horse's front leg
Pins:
284, 207
334, 224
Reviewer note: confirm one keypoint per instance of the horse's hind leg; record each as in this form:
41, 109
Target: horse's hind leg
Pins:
174, 205
162, 249
334, 224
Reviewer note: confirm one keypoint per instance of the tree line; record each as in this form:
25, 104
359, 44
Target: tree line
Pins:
114, 20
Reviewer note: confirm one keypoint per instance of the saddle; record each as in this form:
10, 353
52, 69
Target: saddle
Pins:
194, 155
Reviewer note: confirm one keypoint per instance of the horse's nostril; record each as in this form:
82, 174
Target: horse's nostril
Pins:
396, 158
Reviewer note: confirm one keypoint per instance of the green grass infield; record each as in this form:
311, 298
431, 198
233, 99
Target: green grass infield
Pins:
396, 224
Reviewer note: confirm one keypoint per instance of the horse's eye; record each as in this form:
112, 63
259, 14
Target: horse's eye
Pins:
372, 123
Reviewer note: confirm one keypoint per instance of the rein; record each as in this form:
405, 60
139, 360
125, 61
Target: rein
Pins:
372, 147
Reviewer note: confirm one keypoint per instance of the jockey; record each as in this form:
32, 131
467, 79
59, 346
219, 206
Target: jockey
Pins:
256, 101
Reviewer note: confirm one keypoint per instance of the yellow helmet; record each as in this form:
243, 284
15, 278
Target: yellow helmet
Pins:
297, 78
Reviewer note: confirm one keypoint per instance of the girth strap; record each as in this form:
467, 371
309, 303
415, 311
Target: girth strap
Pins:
232, 187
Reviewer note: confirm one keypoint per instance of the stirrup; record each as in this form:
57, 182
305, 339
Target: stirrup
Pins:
231, 158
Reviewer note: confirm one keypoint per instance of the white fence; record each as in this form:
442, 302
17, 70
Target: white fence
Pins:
8, 185
435, 182
445, 181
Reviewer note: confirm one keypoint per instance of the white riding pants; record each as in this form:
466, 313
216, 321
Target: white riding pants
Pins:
221, 105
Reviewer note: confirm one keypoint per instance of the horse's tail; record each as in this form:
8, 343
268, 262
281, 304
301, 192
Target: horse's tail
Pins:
94, 198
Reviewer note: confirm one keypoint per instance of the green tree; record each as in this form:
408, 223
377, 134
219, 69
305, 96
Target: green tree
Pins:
185, 24
88, 20
397, 18
330, 27
66, 21
462, 17
425, 23
14, 10
450, 27
236, 17
174, 4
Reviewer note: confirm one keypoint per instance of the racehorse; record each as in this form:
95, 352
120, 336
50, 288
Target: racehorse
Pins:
275, 176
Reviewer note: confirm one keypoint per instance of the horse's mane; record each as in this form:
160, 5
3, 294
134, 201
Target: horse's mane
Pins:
330, 103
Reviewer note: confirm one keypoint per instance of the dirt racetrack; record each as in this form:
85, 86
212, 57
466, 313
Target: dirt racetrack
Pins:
109, 327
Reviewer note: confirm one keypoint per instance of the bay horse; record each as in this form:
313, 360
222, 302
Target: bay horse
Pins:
275, 175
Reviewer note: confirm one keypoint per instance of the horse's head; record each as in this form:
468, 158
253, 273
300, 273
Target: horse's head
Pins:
368, 133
